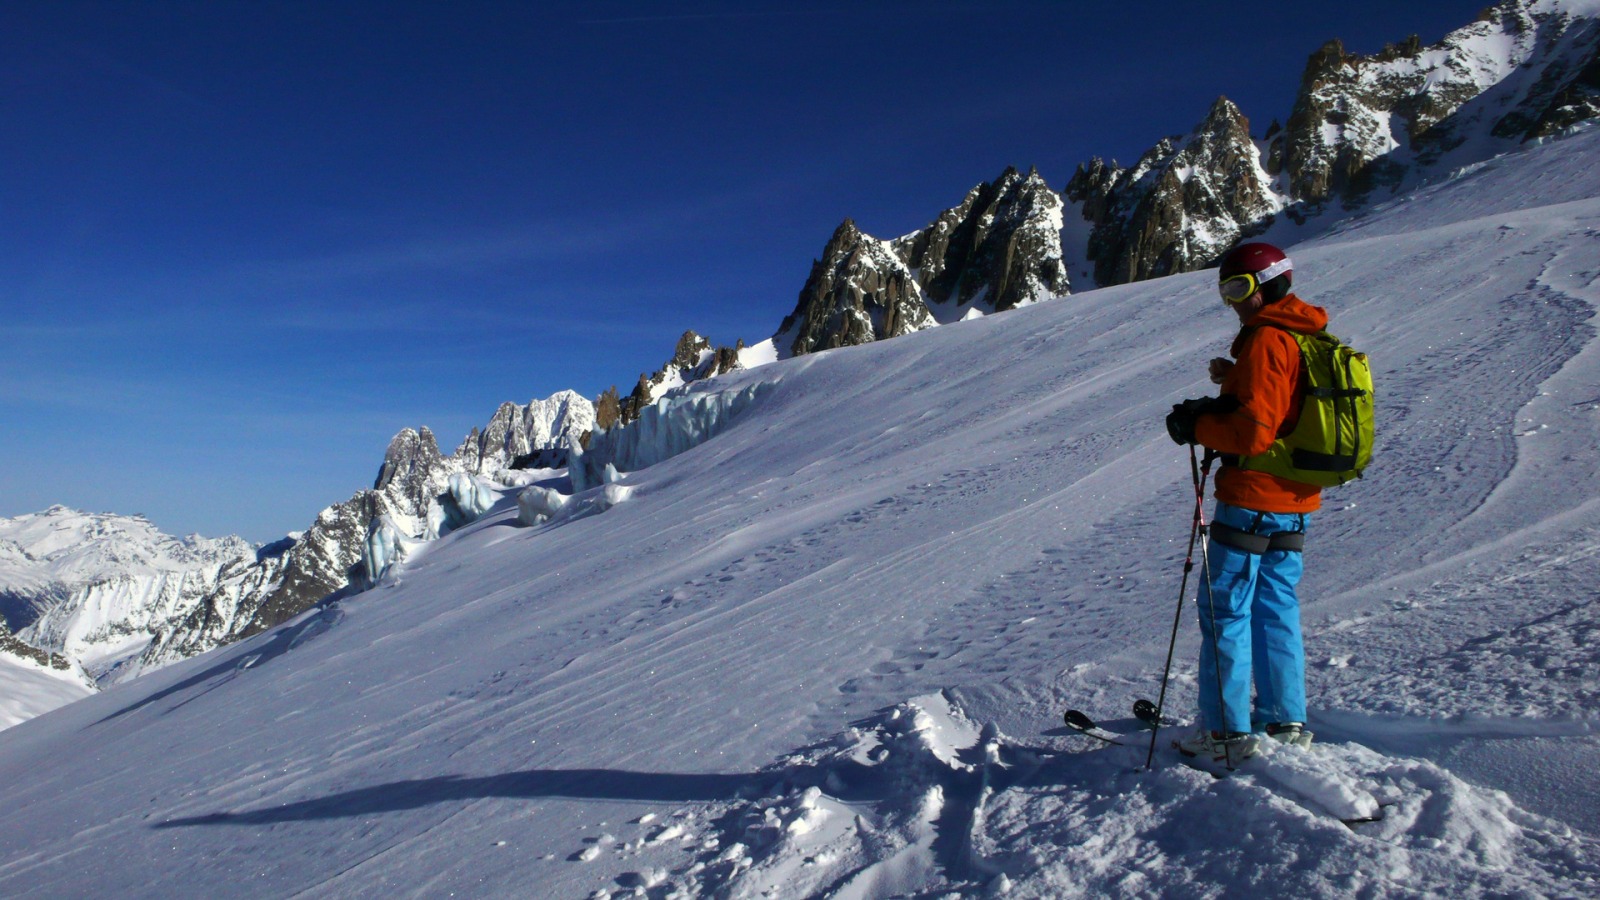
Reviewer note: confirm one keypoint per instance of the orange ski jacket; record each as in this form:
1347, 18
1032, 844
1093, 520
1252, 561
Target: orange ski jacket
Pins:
1268, 379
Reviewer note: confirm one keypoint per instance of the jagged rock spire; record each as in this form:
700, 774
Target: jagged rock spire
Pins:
859, 291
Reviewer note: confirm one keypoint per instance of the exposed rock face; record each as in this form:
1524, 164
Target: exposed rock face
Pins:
1524, 69
1360, 124
11, 646
1568, 88
1001, 247
858, 292
413, 457
1185, 202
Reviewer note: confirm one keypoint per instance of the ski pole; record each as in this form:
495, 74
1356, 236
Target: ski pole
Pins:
1211, 607
1199, 474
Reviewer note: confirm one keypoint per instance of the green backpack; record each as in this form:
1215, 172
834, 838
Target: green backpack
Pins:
1332, 442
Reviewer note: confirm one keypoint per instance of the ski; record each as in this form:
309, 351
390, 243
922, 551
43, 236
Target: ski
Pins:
1365, 820
1084, 725
1144, 713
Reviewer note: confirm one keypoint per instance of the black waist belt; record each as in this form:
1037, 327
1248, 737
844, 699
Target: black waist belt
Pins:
1250, 542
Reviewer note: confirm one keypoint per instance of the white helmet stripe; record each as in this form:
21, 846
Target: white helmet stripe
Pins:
1274, 270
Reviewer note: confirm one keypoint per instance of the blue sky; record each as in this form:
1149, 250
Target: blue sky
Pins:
242, 244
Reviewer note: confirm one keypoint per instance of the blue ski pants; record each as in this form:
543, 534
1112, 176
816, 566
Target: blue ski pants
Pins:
1250, 601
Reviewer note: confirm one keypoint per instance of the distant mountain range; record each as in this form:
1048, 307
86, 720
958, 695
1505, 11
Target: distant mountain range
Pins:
115, 597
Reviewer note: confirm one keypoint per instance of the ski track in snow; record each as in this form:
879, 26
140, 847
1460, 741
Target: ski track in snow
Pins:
905, 561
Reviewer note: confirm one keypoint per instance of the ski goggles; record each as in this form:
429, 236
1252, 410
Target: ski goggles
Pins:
1239, 288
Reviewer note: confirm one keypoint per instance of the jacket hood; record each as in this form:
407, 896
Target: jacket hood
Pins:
1292, 313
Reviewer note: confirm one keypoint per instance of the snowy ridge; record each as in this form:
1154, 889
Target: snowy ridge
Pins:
1363, 129
65, 547
824, 651
515, 432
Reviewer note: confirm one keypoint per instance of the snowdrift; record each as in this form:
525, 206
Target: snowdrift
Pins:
825, 651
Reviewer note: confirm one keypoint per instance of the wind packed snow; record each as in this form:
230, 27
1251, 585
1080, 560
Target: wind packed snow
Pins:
826, 650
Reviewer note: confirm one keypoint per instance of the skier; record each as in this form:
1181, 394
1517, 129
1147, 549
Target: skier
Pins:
1249, 613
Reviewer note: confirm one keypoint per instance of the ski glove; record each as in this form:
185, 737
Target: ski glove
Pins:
1182, 419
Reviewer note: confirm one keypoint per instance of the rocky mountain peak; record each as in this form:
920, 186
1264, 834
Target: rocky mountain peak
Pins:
411, 455
859, 291
691, 347
1000, 248
1523, 69
1181, 205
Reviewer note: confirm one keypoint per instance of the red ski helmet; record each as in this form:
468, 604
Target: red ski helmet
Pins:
1249, 267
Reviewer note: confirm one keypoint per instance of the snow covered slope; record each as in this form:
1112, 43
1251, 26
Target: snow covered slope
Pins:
33, 682
825, 651
28, 689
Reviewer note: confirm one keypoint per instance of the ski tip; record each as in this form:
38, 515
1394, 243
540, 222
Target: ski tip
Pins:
1078, 720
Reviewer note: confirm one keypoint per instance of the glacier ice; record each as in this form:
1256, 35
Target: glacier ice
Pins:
662, 431
472, 496
538, 504
386, 545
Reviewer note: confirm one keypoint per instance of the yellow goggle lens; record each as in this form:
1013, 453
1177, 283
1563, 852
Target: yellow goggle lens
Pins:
1238, 288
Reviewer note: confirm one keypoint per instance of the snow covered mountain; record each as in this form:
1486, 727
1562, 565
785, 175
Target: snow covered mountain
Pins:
516, 433
94, 587
1363, 130
825, 653
115, 597
411, 494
